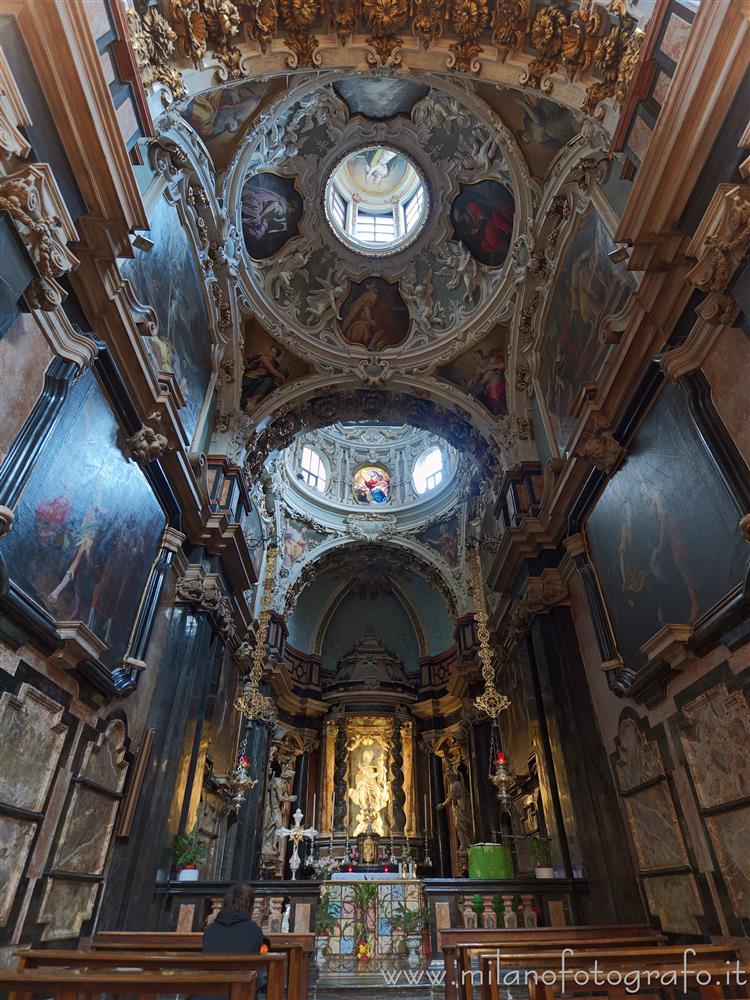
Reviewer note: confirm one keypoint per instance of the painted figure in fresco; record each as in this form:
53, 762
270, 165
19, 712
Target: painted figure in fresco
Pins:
488, 382
372, 486
545, 123
265, 212
370, 793
374, 315
262, 374
458, 800
651, 556
295, 543
493, 224
278, 794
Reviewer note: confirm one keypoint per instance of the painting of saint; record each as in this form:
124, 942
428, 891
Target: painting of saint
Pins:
87, 527
379, 97
589, 288
658, 532
481, 372
221, 115
271, 209
374, 315
262, 374
482, 216
167, 279
371, 485
297, 539
443, 539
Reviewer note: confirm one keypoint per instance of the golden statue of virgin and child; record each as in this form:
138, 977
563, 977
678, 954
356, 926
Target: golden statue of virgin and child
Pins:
370, 793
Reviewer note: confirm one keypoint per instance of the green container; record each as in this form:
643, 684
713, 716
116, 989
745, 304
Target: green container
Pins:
488, 861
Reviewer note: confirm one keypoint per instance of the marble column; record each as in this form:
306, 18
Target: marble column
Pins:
398, 796
339, 779
245, 865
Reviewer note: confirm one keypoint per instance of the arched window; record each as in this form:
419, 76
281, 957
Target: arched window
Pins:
312, 470
428, 471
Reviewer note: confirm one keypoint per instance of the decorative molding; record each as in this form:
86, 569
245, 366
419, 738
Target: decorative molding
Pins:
13, 114
33, 200
148, 444
79, 644
597, 444
205, 592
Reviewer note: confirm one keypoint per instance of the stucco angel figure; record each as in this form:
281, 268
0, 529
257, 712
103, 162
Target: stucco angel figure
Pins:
458, 799
274, 819
370, 793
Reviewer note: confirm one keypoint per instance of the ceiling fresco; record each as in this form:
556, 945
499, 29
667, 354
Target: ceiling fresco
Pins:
415, 306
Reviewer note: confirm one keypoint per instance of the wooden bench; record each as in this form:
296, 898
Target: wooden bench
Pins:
457, 943
271, 962
298, 948
69, 984
649, 962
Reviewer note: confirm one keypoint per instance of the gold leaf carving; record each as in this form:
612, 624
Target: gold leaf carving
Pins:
469, 19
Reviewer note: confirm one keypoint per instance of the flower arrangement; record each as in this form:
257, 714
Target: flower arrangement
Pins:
323, 868
364, 951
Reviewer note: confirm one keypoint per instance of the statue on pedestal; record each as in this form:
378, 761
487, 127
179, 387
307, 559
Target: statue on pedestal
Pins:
458, 798
274, 819
370, 793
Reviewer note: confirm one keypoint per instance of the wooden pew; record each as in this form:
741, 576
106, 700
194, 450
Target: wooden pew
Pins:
68, 984
458, 942
299, 949
641, 959
271, 962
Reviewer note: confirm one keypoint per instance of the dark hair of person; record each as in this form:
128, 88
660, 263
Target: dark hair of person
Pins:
239, 897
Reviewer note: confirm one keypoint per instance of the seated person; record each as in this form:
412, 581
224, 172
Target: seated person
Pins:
234, 932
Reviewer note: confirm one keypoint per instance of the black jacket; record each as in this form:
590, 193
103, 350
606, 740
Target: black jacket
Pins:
233, 932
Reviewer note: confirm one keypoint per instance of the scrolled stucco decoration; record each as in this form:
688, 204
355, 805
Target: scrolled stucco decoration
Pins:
148, 444
13, 114
598, 445
33, 200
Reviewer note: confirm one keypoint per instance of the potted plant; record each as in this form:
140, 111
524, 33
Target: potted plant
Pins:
542, 857
189, 852
324, 924
412, 923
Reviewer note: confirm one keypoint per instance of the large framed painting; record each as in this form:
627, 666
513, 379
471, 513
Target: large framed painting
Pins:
663, 535
88, 526
271, 209
167, 279
374, 315
589, 288
267, 367
482, 216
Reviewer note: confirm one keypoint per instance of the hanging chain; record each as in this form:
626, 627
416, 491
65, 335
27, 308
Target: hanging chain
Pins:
252, 702
491, 701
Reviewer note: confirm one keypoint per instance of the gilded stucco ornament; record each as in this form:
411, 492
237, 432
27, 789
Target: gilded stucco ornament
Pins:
190, 26
509, 26
153, 42
547, 34
385, 18
469, 19
616, 57
427, 24
342, 19
223, 24
262, 21
299, 16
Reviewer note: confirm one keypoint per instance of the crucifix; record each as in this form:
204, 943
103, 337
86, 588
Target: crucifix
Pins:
296, 835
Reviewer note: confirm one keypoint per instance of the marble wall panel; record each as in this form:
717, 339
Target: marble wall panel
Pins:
675, 901
30, 724
65, 906
104, 761
24, 357
716, 739
88, 825
16, 836
655, 828
729, 834
727, 369
639, 760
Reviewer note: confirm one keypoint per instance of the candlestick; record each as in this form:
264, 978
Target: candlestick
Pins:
425, 815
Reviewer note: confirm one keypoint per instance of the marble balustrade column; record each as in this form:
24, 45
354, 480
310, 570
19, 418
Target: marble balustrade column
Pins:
398, 796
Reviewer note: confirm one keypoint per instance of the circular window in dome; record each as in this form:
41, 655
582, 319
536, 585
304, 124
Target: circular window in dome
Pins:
372, 485
375, 200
